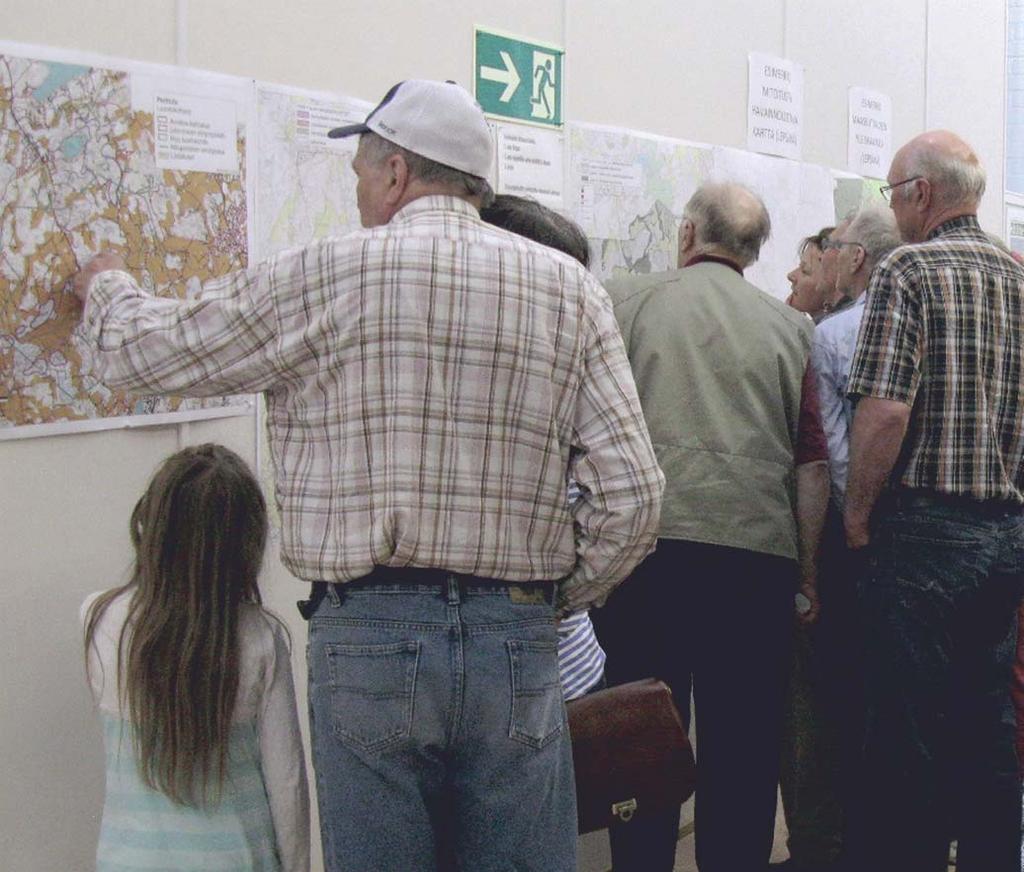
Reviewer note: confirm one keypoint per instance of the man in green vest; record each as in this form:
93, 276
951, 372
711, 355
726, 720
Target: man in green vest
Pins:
730, 401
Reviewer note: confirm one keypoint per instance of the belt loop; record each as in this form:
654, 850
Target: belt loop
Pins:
453, 591
335, 593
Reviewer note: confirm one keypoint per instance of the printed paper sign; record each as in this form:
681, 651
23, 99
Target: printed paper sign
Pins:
775, 106
195, 133
869, 150
530, 164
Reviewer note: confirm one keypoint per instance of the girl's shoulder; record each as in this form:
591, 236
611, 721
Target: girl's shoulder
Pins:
263, 629
116, 610
265, 652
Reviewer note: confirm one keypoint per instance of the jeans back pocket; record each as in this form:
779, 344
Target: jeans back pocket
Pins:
538, 712
372, 691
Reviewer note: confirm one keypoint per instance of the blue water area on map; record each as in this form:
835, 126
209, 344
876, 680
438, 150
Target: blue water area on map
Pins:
59, 75
72, 146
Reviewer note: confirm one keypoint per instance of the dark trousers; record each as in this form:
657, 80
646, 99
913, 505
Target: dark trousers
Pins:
718, 621
824, 712
939, 596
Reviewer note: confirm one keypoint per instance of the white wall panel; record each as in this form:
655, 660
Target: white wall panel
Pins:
876, 44
668, 67
142, 31
967, 86
358, 48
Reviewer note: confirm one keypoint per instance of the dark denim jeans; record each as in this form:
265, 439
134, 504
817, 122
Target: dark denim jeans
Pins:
439, 735
939, 597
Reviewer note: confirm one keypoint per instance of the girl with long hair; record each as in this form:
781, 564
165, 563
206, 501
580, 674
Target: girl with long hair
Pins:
193, 679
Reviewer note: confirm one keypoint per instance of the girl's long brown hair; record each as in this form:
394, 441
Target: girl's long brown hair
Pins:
199, 531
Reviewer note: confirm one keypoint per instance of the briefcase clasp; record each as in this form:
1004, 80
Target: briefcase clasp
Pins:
624, 810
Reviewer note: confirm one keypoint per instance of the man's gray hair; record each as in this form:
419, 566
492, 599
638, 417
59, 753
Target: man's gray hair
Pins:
377, 149
956, 180
730, 217
874, 229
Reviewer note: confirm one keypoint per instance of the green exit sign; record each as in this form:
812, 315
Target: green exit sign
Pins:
518, 79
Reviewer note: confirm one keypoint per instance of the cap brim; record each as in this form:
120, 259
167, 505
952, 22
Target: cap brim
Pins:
348, 130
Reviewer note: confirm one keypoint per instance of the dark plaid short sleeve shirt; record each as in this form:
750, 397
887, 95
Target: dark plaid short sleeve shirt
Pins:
944, 333
430, 385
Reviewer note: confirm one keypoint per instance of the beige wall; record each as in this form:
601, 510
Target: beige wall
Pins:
657, 65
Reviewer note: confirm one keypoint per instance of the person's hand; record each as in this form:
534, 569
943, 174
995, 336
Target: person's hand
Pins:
809, 614
83, 278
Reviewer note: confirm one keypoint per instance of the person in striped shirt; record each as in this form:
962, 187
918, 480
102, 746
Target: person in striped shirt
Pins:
580, 656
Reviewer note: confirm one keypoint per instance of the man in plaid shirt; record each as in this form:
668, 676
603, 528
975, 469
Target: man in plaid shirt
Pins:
938, 377
431, 382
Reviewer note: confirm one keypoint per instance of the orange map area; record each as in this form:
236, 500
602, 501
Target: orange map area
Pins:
78, 176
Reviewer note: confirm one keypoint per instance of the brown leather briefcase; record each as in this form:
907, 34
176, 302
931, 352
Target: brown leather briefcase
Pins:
630, 752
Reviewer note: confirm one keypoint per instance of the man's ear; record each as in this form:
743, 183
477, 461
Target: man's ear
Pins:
859, 257
687, 226
686, 233
398, 179
923, 195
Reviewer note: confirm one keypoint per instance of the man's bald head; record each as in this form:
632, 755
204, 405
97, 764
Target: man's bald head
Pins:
938, 177
725, 219
949, 164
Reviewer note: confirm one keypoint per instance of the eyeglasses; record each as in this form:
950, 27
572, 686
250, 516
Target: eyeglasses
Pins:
836, 244
886, 190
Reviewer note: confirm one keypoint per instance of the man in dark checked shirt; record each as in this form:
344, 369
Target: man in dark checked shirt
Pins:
936, 503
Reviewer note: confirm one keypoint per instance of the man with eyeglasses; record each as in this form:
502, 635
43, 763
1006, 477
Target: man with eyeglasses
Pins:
822, 704
831, 299
935, 500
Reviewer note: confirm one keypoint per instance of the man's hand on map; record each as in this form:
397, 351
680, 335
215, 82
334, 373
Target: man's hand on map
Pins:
83, 278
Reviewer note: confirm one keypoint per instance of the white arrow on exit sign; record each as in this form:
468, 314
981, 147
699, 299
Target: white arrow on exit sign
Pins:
509, 75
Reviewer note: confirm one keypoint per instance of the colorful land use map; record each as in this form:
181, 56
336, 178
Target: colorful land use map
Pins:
628, 190
305, 186
78, 175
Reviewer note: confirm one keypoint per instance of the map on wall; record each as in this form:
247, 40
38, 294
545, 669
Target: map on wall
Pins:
627, 191
145, 161
304, 184
151, 162
799, 198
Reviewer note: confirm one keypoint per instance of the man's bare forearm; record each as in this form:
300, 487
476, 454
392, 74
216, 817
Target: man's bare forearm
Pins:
811, 507
879, 427
812, 486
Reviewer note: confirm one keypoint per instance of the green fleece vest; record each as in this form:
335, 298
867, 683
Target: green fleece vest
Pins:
719, 367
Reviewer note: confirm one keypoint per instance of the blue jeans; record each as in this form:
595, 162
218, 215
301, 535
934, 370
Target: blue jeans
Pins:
939, 597
439, 735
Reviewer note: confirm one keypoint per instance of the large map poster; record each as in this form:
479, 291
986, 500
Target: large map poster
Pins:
305, 186
627, 190
800, 202
145, 161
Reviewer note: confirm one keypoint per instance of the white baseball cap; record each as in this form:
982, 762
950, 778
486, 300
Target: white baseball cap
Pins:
436, 120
